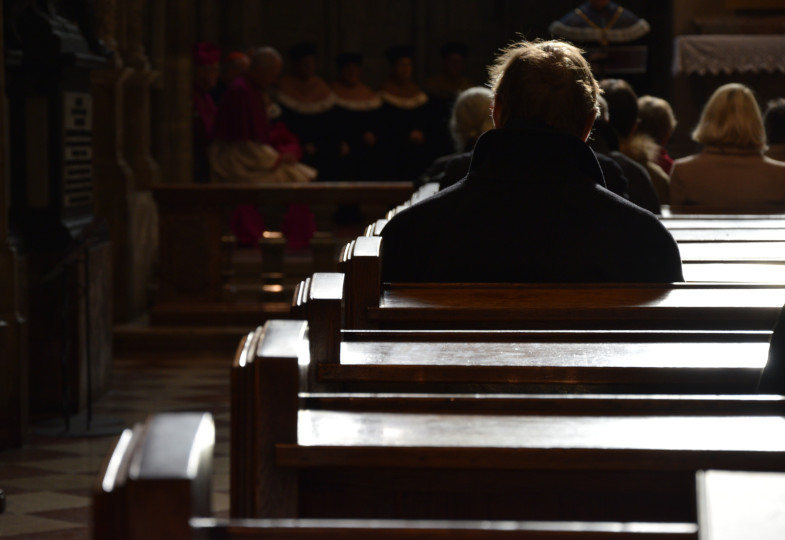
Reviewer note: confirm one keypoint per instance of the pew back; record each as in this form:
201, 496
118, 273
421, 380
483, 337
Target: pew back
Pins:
153, 485
392, 459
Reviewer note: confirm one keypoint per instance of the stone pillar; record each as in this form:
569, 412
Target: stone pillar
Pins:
13, 327
143, 217
114, 181
177, 89
208, 19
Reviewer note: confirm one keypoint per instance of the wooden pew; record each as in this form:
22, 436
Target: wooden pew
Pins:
703, 233
736, 504
735, 272
724, 222
194, 217
372, 304
519, 360
523, 361
703, 262
158, 475
760, 252
442, 463
152, 488
728, 235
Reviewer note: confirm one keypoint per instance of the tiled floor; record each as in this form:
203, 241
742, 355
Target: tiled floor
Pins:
48, 482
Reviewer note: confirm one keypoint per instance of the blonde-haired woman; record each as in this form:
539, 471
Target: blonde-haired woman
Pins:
731, 174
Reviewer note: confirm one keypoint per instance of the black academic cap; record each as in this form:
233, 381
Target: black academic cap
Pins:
347, 58
301, 50
399, 51
454, 47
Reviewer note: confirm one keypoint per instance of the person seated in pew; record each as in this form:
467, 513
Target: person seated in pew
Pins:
656, 119
533, 207
470, 118
772, 379
613, 170
730, 174
774, 123
638, 187
640, 147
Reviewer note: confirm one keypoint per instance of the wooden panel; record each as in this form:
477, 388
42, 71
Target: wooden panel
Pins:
734, 272
326, 529
460, 437
677, 306
735, 504
725, 222
732, 251
728, 235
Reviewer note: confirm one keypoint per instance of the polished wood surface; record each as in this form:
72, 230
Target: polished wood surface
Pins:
156, 477
346, 529
427, 456
156, 484
741, 504
550, 404
732, 251
737, 272
728, 235
458, 438
734, 306
725, 222
735, 366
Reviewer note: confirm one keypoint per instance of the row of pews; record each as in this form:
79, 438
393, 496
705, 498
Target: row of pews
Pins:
589, 411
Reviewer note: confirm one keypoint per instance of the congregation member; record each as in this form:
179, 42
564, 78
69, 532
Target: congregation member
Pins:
623, 114
656, 119
470, 118
355, 119
623, 175
774, 124
406, 117
532, 207
307, 100
207, 57
730, 173
772, 379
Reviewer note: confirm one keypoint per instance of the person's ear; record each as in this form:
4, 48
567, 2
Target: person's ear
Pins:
496, 114
589, 124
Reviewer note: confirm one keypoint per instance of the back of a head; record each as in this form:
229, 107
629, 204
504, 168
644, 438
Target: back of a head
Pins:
471, 117
264, 58
731, 119
622, 105
774, 121
656, 118
546, 82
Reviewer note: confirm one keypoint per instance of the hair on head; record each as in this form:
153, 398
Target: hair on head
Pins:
731, 119
548, 82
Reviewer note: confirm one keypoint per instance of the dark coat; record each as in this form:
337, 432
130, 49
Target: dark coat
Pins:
531, 209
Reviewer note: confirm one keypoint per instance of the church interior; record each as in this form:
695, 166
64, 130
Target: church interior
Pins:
125, 290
